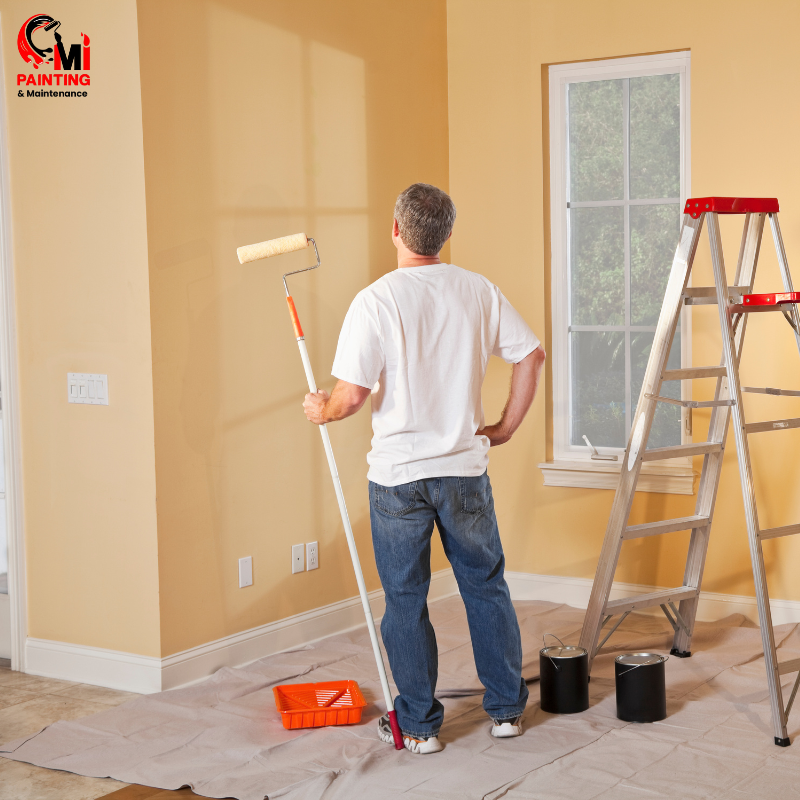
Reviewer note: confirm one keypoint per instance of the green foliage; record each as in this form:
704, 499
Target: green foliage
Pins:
666, 429
654, 237
598, 402
597, 249
598, 358
655, 107
595, 141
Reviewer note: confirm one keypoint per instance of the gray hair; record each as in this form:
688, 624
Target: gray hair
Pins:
425, 216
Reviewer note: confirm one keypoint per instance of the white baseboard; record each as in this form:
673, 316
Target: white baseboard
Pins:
127, 672
242, 648
575, 592
143, 674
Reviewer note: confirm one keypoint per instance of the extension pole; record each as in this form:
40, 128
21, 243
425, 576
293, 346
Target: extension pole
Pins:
285, 245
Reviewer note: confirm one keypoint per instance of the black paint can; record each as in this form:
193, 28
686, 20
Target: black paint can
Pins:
641, 687
564, 679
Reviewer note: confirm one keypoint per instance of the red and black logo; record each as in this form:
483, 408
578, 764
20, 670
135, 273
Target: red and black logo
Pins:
40, 44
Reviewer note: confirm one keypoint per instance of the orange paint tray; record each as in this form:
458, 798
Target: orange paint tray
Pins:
313, 705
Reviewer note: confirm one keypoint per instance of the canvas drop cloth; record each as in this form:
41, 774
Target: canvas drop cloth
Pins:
224, 738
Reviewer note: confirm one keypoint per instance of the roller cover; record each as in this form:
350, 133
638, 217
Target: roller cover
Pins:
273, 247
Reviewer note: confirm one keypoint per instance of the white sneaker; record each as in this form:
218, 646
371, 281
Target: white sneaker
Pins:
418, 746
506, 729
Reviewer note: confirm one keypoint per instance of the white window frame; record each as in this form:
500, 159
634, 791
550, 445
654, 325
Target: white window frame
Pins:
572, 464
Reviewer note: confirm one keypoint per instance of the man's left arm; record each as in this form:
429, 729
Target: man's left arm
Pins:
343, 402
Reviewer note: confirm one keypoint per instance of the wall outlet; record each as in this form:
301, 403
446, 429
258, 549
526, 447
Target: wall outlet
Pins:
312, 556
87, 388
297, 558
245, 572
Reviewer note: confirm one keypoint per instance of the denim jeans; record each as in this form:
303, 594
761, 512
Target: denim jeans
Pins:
402, 523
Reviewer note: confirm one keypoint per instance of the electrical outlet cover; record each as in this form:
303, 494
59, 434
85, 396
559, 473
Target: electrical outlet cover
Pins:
87, 388
312, 555
245, 572
298, 564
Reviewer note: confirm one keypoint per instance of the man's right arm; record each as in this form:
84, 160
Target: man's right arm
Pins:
524, 383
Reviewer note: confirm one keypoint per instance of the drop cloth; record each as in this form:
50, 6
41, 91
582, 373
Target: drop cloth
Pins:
224, 738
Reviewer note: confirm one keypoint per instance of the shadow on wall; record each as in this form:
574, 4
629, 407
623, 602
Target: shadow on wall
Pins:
271, 118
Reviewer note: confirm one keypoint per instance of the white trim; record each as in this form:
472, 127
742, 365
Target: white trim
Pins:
667, 479
575, 592
110, 668
146, 674
560, 75
9, 380
5, 626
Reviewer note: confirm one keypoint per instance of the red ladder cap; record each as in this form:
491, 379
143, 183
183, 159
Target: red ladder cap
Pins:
695, 206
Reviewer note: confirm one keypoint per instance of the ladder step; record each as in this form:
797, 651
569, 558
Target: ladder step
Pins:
690, 373
707, 295
690, 403
772, 425
694, 449
769, 390
740, 308
649, 600
664, 526
789, 666
776, 533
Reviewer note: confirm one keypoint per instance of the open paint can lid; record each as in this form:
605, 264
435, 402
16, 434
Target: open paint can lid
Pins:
563, 651
639, 659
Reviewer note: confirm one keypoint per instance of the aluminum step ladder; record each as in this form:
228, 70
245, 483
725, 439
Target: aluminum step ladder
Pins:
735, 303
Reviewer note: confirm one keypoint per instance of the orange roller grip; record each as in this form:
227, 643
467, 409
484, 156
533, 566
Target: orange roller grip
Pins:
298, 331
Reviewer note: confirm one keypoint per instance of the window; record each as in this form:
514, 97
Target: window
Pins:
619, 176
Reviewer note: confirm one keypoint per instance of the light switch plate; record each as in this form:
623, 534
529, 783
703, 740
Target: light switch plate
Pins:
297, 558
87, 388
245, 572
312, 556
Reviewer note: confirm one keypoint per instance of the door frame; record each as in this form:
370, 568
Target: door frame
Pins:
9, 381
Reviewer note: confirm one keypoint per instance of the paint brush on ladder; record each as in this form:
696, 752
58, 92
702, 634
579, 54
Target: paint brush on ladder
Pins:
276, 247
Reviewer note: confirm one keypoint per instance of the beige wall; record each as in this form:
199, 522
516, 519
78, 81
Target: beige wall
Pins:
498, 51
261, 119
82, 305
258, 119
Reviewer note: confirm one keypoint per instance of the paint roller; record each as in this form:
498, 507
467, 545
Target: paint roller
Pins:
276, 247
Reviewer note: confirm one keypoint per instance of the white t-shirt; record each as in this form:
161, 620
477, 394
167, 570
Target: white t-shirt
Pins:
426, 334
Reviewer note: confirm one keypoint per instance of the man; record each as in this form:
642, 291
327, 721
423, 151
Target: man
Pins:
419, 340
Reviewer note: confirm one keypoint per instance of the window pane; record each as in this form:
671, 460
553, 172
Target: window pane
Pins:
596, 163
655, 136
654, 238
666, 428
598, 388
597, 265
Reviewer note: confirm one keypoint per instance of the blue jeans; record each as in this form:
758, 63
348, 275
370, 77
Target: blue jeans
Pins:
402, 523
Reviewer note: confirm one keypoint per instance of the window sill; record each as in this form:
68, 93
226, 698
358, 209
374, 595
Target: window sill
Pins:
663, 479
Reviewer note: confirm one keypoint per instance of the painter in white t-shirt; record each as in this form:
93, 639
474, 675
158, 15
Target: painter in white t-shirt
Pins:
425, 335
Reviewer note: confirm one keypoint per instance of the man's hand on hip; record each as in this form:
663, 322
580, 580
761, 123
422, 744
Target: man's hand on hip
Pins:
524, 383
496, 434
344, 401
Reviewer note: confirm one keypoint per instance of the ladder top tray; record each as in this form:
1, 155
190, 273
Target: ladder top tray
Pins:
770, 299
695, 206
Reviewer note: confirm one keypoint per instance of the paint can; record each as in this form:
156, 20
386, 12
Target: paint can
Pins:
641, 687
563, 678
